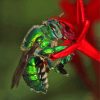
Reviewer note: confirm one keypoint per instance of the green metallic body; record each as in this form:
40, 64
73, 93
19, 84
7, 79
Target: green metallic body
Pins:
30, 38
43, 35
31, 76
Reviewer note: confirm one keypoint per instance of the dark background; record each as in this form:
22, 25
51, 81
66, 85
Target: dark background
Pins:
16, 17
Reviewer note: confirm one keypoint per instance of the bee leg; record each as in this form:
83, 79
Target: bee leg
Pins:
60, 66
60, 69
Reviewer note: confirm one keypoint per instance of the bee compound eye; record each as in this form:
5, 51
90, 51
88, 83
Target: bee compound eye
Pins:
67, 27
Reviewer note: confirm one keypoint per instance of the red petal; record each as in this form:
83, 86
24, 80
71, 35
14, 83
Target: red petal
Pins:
93, 10
69, 10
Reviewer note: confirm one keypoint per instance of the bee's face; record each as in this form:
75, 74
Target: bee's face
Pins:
55, 27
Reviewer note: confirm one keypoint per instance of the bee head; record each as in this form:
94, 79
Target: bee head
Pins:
55, 28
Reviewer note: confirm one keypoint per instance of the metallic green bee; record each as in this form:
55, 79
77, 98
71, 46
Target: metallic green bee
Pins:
39, 43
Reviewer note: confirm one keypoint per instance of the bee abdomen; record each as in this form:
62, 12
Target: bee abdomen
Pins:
36, 76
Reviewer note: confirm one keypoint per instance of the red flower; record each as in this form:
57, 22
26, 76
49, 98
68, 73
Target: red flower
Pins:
83, 25
82, 17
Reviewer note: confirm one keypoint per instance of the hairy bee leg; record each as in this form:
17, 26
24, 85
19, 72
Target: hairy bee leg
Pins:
64, 52
63, 61
60, 69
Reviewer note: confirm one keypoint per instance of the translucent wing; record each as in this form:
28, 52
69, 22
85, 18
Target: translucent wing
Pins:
22, 64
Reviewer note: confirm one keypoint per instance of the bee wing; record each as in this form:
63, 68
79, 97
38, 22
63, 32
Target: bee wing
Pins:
22, 64
19, 70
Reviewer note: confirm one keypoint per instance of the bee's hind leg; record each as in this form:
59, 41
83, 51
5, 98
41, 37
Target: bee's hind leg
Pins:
60, 66
60, 69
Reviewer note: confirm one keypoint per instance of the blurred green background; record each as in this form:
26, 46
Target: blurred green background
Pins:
16, 17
